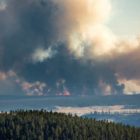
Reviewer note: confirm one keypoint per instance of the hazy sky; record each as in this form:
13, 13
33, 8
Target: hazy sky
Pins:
125, 17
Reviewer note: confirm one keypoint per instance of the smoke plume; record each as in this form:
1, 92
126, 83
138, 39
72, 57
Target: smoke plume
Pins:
64, 47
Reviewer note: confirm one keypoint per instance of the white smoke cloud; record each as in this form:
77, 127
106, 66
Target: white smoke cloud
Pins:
83, 24
132, 86
87, 32
88, 25
42, 54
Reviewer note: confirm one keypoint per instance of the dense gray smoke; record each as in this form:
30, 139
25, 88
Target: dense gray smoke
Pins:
52, 47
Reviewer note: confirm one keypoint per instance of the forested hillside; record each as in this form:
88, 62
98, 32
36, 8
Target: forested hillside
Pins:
42, 125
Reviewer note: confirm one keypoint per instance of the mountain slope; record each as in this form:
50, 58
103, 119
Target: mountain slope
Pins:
42, 125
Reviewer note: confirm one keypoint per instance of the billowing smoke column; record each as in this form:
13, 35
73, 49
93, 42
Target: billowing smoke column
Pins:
61, 47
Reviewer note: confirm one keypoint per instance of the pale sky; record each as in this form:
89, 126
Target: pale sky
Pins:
125, 18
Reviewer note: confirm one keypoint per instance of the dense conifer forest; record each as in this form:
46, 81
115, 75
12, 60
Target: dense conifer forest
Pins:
43, 125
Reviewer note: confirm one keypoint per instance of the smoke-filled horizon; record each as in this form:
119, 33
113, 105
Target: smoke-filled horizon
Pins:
65, 47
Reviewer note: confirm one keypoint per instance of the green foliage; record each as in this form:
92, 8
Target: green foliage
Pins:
42, 125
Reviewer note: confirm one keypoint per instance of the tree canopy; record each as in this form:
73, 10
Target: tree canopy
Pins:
43, 125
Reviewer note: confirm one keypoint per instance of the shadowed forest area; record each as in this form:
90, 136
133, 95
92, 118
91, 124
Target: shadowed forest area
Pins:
43, 125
